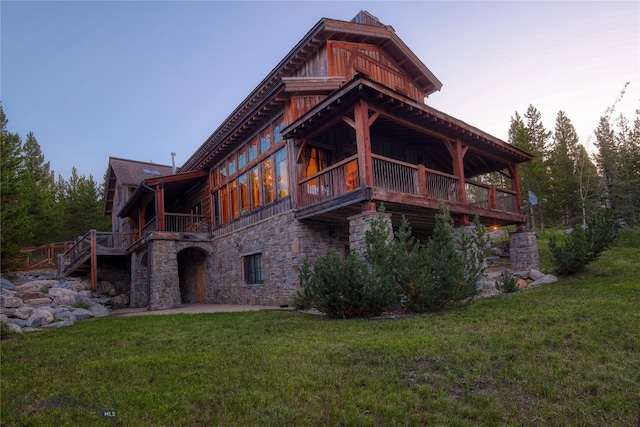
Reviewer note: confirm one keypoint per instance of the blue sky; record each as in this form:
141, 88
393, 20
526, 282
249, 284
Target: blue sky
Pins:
143, 79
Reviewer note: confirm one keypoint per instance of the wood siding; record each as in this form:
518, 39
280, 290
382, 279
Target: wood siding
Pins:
348, 59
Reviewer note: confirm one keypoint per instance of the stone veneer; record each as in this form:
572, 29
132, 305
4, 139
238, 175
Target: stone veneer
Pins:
523, 250
359, 225
283, 242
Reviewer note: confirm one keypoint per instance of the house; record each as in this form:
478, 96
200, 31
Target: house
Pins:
300, 166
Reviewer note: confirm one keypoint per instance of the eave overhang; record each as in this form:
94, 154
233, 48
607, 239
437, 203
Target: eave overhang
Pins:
384, 99
177, 183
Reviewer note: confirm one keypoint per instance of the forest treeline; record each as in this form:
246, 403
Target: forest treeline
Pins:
35, 208
569, 182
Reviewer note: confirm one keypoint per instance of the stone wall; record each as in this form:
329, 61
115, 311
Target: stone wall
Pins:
358, 227
284, 243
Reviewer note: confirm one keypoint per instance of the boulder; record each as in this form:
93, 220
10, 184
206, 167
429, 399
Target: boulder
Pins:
6, 284
10, 302
36, 285
61, 292
81, 314
98, 310
63, 285
35, 321
78, 286
46, 315
20, 322
85, 294
121, 299
14, 328
19, 313
4, 318
65, 315
57, 325
107, 288
547, 278
535, 274
38, 301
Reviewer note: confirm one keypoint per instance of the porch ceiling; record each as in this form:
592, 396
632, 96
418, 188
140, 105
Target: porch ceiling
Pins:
403, 119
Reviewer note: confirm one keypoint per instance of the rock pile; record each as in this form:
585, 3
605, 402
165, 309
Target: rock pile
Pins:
525, 279
45, 303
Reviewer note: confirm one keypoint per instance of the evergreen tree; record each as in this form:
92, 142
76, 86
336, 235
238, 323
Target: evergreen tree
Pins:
534, 177
82, 201
564, 202
37, 179
14, 219
590, 186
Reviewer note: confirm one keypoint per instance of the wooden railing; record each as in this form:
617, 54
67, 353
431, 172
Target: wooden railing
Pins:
331, 182
44, 256
401, 177
186, 223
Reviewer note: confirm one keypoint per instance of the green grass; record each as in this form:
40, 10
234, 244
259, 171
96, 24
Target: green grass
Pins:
562, 354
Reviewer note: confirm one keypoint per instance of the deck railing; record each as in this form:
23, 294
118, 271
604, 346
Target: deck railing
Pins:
401, 177
186, 223
331, 182
44, 256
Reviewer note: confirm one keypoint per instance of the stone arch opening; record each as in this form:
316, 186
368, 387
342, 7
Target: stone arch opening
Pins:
191, 275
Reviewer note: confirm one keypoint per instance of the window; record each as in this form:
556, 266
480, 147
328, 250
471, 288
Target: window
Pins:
224, 205
254, 183
265, 140
231, 166
242, 158
278, 125
267, 181
282, 177
233, 195
244, 193
253, 269
253, 149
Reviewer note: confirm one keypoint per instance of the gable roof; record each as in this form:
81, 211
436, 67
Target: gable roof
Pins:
364, 28
129, 173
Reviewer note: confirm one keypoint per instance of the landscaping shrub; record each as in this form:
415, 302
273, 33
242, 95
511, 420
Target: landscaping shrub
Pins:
583, 245
397, 267
343, 287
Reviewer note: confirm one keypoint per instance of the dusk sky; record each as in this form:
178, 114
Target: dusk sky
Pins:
140, 80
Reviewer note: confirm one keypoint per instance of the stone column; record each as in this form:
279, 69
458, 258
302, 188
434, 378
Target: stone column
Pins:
359, 225
523, 250
164, 283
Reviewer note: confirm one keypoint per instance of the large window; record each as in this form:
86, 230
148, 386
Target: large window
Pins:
282, 176
246, 183
253, 269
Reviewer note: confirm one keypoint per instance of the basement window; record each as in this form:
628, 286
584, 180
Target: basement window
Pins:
253, 269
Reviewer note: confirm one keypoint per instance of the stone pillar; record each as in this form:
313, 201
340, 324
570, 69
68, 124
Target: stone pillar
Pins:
359, 225
523, 250
164, 284
138, 296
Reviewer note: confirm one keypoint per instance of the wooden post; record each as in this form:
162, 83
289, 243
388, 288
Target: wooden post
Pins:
160, 206
422, 180
363, 143
94, 261
493, 202
515, 186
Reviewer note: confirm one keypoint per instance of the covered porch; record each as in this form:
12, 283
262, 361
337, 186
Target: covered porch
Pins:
366, 144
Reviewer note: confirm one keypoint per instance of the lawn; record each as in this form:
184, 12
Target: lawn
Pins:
565, 354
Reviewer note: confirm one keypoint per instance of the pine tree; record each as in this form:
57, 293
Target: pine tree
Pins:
15, 229
564, 203
43, 211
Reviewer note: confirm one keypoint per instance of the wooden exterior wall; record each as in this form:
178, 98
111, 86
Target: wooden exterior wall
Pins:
348, 59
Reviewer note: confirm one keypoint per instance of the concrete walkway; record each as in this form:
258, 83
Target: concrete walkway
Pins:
195, 308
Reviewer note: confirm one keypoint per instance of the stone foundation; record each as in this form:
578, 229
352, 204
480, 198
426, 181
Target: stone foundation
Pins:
523, 250
358, 227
